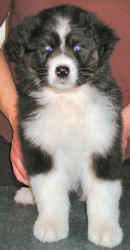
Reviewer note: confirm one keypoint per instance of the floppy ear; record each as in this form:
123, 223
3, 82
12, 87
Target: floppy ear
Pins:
14, 46
106, 39
18, 39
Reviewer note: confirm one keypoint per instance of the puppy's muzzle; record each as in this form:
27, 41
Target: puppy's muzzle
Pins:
62, 71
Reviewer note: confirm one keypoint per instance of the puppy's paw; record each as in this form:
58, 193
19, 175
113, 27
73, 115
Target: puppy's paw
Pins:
48, 229
24, 196
107, 235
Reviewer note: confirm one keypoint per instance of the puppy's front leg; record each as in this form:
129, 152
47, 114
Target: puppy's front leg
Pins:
49, 186
53, 207
103, 214
103, 197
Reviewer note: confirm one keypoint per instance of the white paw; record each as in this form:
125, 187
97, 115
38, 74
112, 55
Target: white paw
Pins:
24, 196
106, 235
48, 229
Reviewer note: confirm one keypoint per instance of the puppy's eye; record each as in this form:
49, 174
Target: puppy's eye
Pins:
48, 48
77, 47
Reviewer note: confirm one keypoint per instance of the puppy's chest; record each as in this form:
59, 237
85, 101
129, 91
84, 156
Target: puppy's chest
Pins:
65, 115
60, 123
72, 121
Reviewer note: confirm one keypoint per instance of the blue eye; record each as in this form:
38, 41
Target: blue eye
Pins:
48, 47
77, 47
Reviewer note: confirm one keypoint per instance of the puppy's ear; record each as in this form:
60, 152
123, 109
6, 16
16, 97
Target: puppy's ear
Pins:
18, 39
14, 46
106, 39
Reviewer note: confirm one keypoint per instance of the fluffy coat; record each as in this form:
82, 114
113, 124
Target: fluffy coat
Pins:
69, 120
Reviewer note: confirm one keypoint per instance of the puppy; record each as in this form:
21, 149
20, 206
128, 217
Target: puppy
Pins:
69, 120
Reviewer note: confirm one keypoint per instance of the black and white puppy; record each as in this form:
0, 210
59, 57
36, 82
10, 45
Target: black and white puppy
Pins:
69, 120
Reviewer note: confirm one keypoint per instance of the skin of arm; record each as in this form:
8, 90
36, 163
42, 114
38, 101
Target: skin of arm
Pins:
126, 126
8, 105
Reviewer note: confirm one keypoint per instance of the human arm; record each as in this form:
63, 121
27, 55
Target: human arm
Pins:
126, 126
8, 105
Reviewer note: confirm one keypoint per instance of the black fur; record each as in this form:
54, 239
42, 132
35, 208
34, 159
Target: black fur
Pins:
25, 47
109, 167
36, 160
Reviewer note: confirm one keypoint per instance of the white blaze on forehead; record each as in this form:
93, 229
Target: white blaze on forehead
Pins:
63, 28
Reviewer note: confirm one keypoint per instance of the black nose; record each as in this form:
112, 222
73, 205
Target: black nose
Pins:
62, 71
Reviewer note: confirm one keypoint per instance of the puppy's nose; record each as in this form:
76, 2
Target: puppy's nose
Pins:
62, 71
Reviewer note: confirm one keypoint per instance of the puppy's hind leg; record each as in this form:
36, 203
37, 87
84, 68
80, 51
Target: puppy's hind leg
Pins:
24, 196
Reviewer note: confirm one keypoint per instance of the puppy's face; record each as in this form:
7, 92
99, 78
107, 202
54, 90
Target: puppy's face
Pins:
62, 55
59, 66
65, 56
61, 47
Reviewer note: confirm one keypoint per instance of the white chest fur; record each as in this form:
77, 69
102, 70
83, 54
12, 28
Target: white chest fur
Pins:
82, 120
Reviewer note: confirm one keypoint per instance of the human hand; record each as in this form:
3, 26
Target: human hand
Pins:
17, 160
126, 127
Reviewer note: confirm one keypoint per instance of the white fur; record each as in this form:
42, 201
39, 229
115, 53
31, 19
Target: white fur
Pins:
53, 205
24, 196
72, 125
80, 120
63, 28
103, 211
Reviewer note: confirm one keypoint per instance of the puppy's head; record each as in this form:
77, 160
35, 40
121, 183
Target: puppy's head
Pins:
61, 47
